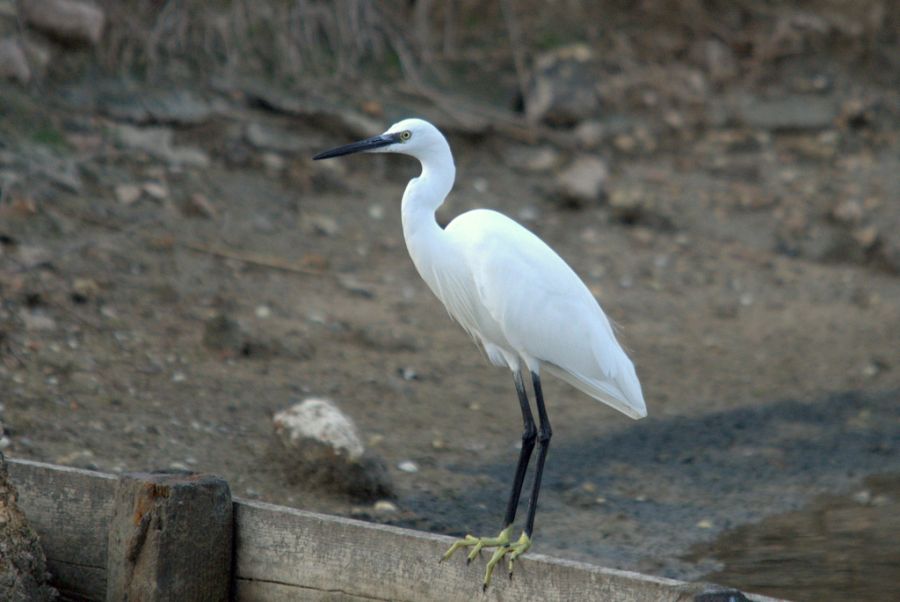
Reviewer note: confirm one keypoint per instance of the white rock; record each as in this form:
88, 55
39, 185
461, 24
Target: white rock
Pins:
321, 421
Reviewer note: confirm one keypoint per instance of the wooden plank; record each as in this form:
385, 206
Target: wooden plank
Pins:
286, 554
70, 509
170, 538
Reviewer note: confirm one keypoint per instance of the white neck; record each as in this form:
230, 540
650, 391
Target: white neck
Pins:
424, 194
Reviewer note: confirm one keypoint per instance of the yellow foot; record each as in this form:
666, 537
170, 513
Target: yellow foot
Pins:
501, 542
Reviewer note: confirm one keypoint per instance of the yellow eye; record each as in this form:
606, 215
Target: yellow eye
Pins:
405, 135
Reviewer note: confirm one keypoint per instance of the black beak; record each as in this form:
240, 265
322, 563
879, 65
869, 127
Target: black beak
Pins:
358, 147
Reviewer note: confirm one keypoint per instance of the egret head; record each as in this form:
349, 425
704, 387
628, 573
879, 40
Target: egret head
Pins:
414, 137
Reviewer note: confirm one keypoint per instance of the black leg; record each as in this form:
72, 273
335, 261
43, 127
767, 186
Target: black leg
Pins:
528, 436
544, 443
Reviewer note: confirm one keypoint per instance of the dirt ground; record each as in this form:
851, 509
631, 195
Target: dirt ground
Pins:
760, 311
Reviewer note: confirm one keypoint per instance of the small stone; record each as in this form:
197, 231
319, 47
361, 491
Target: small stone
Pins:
37, 320
222, 334
590, 134
533, 159
353, 285
849, 211
323, 224
273, 162
866, 236
863, 497
32, 256
269, 138
198, 204
584, 181
376, 211
705, 524
385, 507
128, 194
625, 143
791, 113
408, 466
870, 370
66, 20
263, 312
156, 190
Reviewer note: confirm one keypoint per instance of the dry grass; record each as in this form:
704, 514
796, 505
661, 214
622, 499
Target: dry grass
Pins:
295, 40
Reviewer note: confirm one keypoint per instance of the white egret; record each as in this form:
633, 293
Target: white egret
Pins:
516, 297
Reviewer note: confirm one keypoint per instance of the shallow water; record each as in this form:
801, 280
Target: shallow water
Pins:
836, 548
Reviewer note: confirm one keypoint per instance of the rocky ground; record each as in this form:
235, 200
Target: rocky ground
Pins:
175, 270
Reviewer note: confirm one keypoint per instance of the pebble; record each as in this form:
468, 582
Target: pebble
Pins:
128, 194
385, 507
533, 159
156, 190
590, 134
263, 311
323, 224
37, 320
198, 204
408, 466
273, 162
584, 181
